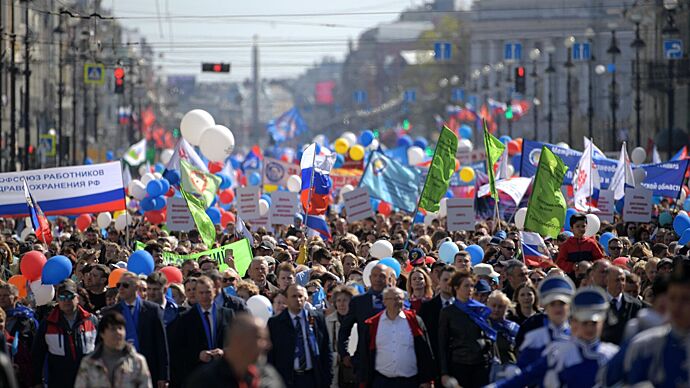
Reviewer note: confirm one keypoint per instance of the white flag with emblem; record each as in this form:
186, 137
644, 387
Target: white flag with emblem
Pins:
623, 176
586, 179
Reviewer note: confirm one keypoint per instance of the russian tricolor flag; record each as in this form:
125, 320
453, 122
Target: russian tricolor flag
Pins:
38, 220
316, 180
319, 225
534, 250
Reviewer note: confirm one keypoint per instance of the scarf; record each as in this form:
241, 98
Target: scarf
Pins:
479, 314
508, 329
132, 322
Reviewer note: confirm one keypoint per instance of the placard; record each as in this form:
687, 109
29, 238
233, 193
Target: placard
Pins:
606, 205
283, 208
276, 172
179, 219
248, 202
358, 204
460, 212
638, 205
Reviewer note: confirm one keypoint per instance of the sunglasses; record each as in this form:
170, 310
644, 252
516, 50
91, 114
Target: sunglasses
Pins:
508, 248
615, 248
124, 285
229, 280
64, 298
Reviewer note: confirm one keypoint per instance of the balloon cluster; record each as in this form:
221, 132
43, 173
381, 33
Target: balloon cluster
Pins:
38, 275
200, 129
348, 144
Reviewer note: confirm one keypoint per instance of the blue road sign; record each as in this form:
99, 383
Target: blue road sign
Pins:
457, 94
673, 48
443, 51
410, 95
360, 96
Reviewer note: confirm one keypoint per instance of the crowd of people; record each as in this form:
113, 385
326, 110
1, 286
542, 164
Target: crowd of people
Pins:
591, 315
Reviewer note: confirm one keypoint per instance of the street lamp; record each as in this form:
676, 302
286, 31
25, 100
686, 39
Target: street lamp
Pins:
613, 50
550, 70
638, 44
589, 34
61, 90
670, 30
534, 57
568, 43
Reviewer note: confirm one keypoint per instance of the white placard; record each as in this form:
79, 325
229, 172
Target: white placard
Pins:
460, 213
606, 205
248, 202
283, 207
357, 204
179, 219
638, 205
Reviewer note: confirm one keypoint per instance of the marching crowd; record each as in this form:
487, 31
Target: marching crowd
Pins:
584, 318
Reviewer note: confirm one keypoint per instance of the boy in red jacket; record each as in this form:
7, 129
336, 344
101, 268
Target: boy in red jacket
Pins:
578, 248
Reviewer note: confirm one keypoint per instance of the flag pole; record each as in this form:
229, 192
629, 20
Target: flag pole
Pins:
311, 182
126, 210
39, 221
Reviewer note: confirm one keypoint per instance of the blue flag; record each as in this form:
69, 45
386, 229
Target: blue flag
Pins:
390, 181
286, 127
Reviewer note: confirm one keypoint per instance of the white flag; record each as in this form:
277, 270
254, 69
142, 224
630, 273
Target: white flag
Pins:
623, 175
503, 172
126, 176
586, 179
656, 158
136, 154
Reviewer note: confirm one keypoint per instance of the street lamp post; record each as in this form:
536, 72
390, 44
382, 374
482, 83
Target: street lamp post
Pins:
613, 50
534, 56
61, 91
638, 44
569, 42
670, 30
550, 70
589, 34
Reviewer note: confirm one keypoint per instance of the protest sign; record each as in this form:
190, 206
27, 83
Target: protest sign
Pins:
276, 172
179, 219
357, 204
261, 221
341, 177
460, 212
248, 202
638, 205
91, 188
606, 205
285, 205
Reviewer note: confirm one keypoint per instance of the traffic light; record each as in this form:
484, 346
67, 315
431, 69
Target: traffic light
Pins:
520, 83
215, 67
509, 112
119, 74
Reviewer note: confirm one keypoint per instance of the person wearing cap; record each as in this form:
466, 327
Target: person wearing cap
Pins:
63, 339
482, 289
540, 330
665, 266
576, 362
578, 247
486, 271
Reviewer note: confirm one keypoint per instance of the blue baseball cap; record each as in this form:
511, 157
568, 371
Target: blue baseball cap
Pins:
590, 304
556, 287
482, 287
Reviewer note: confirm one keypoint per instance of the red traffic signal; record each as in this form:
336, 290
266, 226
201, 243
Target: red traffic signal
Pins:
215, 67
520, 71
520, 82
119, 73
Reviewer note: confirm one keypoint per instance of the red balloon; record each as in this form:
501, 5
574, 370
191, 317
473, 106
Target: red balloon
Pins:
457, 165
173, 274
385, 208
214, 167
83, 222
226, 196
155, 216
170, 192
226, 217
32, 264
285, 159
513, 147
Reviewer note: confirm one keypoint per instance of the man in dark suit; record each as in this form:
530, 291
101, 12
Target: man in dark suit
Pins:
300, 341
362, 307
623, 306
144, 328
197, 336
432, 308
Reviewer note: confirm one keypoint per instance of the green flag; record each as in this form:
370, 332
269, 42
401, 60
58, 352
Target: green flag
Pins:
198, 182
441, 169
546, 208
494, 148
203, 222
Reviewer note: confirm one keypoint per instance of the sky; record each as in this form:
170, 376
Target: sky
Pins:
190, 32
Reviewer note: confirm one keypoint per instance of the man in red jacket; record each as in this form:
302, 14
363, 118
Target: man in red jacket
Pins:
578, 248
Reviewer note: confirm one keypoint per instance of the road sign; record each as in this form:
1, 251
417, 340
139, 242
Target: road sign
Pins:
410, 95
47, 144
94, 73
457, 94
359, 96
673, 48
443, 51
512, 52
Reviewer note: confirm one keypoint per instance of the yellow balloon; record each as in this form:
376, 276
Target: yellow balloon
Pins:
341, 146
357, 153
270, 188
467, 174
118, 213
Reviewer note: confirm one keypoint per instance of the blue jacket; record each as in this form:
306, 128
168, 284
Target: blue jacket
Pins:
536, 341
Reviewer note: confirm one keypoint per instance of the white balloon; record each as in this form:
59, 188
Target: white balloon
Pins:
193, 125
429, 218
43, 293
563, 145
158, 175
263, 207
638, 155
320, 140
350, 137
103, 220
148, 177
294, 183
520, 216
143, 169
415, 155
217, 143
137, 189
381, 249
259, 306
366, 274
27, 221
683, 196
166, 154
593, 225
133, 204
346, 189
374, 144
443, 209
465, 145
121, 221
26, 232
639, 174
511, 170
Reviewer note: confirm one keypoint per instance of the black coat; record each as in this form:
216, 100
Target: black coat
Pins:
188, 339
429, 313
617, 319
234, 303
153, 343
282, 354
461, 341
218, 374
361, 309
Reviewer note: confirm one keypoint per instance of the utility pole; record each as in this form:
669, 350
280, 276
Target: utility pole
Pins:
255, 86
27, 90
75, 61
132, 137
2, 69
13, 93
85, 132
61, 93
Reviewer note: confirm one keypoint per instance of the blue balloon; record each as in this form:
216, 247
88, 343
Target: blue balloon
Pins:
681, 223
476, 254
505, 139
466, 132
686, 204
604, 241
449, 193
267, 198
339, 160
405, 141
374, 203
159, 167
420, 142
154, 188
56, 269
568, 213
685, 238
665, 219
225, 181
447, 251
392, 263
214, 214
88, 161
158, 202
109, 155
254, 179
140, 262
172, 176
165, 186
146, 204
366, 137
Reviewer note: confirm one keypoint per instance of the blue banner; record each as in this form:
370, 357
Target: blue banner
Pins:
390, 181
664, 179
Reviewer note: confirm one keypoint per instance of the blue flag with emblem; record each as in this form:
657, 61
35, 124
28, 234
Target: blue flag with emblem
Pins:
390, 181
286, 127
